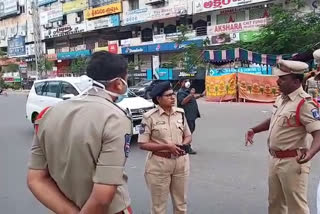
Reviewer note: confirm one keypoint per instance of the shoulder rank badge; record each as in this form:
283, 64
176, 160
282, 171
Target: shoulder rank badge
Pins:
142, 128
315, 113
127, 140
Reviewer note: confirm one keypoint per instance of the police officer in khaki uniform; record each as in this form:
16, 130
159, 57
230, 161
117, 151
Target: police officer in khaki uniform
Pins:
165, 134
80, 147
316, 56
294, 116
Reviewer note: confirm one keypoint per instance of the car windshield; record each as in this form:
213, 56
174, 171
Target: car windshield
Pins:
144, 83
130, 94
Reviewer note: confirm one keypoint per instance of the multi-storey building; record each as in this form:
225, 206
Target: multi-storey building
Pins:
141, 30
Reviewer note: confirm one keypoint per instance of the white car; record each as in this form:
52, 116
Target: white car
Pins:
49, 92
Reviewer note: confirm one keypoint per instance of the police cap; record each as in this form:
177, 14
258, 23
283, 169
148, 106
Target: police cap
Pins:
285, 67
316, 56
159, 89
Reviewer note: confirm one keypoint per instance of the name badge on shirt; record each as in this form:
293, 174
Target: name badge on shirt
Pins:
160, 123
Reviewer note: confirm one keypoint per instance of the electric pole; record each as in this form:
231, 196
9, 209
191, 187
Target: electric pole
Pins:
38, 47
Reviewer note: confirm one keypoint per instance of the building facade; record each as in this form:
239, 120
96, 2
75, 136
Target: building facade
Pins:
141, 30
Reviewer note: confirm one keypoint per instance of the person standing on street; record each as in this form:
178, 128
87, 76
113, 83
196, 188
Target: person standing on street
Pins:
316, 56
164, 133
187, 100
312, 86
295, 115
80, 146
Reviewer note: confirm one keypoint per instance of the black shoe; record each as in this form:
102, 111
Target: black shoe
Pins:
192, 152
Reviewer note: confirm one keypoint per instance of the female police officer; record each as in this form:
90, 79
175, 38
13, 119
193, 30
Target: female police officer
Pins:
163, 133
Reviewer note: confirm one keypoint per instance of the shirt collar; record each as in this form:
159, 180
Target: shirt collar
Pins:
161, 111
100, 93
293, 95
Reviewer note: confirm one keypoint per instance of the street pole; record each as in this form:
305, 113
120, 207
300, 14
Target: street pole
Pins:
37, 39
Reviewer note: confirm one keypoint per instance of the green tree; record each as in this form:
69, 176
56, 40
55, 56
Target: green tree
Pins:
78, 66
290, 30
190, 58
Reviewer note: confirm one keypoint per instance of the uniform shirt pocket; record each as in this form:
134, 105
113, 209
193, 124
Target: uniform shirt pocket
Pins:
287, 119
159, 131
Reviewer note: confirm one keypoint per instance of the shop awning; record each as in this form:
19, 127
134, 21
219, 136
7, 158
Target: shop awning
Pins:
239, 54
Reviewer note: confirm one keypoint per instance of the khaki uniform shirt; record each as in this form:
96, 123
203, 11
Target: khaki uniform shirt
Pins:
84, 141
312, 83
284, 133
161, 128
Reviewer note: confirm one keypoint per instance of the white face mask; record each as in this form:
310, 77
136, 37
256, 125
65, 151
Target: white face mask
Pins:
187, 84
116, 94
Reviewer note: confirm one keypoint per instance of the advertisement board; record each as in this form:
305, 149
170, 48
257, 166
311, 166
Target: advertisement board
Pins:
8, 7
16, 47
103, 11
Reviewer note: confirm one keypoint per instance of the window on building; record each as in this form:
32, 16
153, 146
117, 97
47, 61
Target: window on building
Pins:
146, 35
80, 14
258, 13
133, 4
231, 17
64, 19
170, 29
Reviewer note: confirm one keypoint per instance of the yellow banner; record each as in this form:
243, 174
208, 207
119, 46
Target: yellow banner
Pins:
74, 6
103, 11
221, 88
101, 49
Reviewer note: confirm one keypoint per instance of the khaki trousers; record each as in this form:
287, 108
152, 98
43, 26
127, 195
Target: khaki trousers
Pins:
164, 176
288, 185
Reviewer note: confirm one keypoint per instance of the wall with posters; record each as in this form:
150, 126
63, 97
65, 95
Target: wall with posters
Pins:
200, 6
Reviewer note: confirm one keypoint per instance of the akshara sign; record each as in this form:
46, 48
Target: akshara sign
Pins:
103, 11
237, 26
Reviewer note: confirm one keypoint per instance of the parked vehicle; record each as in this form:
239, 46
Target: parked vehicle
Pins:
49, 92
144, 88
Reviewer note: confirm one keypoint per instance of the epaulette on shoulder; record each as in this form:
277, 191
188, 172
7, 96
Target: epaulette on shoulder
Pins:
150, 112
179, 110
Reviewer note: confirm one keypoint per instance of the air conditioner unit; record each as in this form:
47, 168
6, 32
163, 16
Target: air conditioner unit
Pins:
48, 25
78, 19
208, 23
154, 1
62, 1
161, 30
190, 27
60, 23
139, 34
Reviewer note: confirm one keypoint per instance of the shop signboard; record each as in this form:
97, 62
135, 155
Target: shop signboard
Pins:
103, 11
200, 6
8, 7
237, 26
73, 55
98, 3
225, 39
249, 36
64, 31
16, 47
74, 6
250, 70
105, 22
45, 2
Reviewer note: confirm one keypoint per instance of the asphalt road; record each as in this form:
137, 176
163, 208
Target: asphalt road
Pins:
226, 177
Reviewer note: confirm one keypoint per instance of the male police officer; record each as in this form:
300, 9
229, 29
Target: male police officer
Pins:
316, 56
294, 116
80, 147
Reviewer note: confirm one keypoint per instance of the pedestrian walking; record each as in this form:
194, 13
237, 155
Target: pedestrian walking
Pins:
187, 99
80, 146
316, 56
165, 133
294, 115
